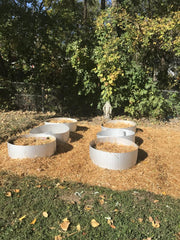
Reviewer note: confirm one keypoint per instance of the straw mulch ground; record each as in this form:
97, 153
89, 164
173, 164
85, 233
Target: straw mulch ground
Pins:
157, 170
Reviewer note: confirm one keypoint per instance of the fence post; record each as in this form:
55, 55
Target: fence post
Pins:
42, 95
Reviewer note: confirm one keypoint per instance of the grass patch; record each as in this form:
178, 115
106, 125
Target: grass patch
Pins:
14, 122
121, 215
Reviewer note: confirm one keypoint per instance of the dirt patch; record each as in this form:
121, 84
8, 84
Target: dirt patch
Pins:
157, 170
114, 148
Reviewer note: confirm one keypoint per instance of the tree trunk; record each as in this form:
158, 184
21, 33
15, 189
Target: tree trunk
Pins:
3, 70
85, 10
103, 4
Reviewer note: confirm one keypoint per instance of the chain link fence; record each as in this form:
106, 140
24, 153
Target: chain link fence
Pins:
30, 96
38, 97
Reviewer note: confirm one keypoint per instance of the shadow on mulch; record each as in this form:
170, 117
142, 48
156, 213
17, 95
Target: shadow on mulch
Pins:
138, 140
75, 136
142, 155
139, 130
63, 148
82, 128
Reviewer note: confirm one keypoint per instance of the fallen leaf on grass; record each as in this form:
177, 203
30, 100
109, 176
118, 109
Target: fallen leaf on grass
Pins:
140, 220
33, 221
45, 214
151, 219
58, 237
110, 222
155, 201
87, 207
16, 190
52, 228
65, 224
116, 210
101, 201
94, 223
21, 218
155, 224
102, 196
8, 194
60, 186
78, 227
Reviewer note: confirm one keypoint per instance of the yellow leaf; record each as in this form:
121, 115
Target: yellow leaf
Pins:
155, 201
65, 224
61, 187
110, 222
101, 201
45, 214
116, 210
21, 218
140, 220
16, 190
33, 222
87, 207
78, 227
102, 196
8, 194
155, 224
58, 237
94, 223
151, 219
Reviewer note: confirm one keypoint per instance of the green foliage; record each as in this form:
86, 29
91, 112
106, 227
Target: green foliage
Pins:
90, 56
128, 54
173, 101
144, 98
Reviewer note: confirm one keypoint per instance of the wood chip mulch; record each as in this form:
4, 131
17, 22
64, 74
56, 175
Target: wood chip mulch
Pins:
31, 141
157, 170
114, 148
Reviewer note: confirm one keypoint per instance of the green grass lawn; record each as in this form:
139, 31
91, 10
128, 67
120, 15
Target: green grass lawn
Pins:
32, 208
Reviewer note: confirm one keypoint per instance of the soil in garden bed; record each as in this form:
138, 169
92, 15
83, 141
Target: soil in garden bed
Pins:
117, 125
60, 121
114, 148
30, 141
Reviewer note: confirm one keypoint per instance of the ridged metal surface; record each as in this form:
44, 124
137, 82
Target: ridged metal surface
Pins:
33, 151
113, 161
72, 125
121, 133
60, 131
132, 128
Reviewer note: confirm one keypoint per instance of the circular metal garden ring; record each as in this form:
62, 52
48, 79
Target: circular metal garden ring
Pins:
32, 151
130, 125
60, 131
113, 161
122, 133
71, 122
